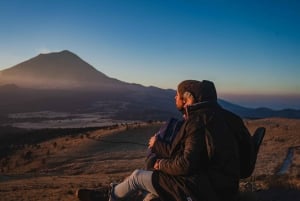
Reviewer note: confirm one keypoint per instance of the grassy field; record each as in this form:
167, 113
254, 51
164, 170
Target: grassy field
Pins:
53, 167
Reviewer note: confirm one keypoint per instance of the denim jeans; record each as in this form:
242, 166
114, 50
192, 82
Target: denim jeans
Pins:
138, 180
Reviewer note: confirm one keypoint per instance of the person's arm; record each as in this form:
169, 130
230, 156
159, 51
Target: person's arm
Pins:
188, 159
160, 148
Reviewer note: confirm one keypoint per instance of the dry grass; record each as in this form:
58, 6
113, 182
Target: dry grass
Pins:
55, 168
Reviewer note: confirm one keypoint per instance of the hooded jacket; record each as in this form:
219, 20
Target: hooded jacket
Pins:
187, 171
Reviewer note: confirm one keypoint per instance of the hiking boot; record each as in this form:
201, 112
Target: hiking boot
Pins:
90, 195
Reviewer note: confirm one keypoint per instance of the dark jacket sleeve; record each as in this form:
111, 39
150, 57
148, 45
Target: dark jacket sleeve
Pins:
162, 149
186, 156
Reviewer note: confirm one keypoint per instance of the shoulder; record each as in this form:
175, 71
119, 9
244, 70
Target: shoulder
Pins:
231, 116
194, 122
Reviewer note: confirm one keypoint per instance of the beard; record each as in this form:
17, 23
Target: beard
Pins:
180, 109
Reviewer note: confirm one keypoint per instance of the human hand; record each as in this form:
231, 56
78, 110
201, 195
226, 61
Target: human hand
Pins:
156, 164
152, 141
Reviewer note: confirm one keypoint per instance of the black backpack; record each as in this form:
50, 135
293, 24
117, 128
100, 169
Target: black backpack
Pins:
248, 145
247, 167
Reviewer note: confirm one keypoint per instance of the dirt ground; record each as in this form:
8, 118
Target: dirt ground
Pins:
53, 169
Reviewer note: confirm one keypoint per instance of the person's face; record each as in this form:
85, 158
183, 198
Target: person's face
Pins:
179, 102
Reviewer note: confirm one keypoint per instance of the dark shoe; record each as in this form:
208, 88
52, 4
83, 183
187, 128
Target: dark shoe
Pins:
90, 195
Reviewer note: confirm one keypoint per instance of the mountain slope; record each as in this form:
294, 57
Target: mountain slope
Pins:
63, 70
256, 113
62, 81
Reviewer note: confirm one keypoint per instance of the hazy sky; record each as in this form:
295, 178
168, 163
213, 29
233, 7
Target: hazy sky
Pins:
250, 49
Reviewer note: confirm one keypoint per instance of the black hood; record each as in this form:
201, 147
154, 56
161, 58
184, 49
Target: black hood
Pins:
208, 91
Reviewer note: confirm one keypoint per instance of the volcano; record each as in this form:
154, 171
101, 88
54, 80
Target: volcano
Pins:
61, 81
59, 70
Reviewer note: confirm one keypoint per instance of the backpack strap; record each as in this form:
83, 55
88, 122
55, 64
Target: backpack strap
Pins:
257, 139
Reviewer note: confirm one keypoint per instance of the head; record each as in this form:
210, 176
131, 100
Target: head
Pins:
193, 91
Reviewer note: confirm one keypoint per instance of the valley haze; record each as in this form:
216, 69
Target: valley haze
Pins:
60, 89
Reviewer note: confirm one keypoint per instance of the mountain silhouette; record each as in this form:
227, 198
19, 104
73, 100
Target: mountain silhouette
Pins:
60, 70
62, 81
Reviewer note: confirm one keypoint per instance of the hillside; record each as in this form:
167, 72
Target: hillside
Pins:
53, 168
59, 70
63, 82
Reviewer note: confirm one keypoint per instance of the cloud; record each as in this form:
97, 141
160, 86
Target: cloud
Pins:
43, 51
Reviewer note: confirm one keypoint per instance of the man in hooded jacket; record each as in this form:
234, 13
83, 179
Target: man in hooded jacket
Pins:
202, 163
